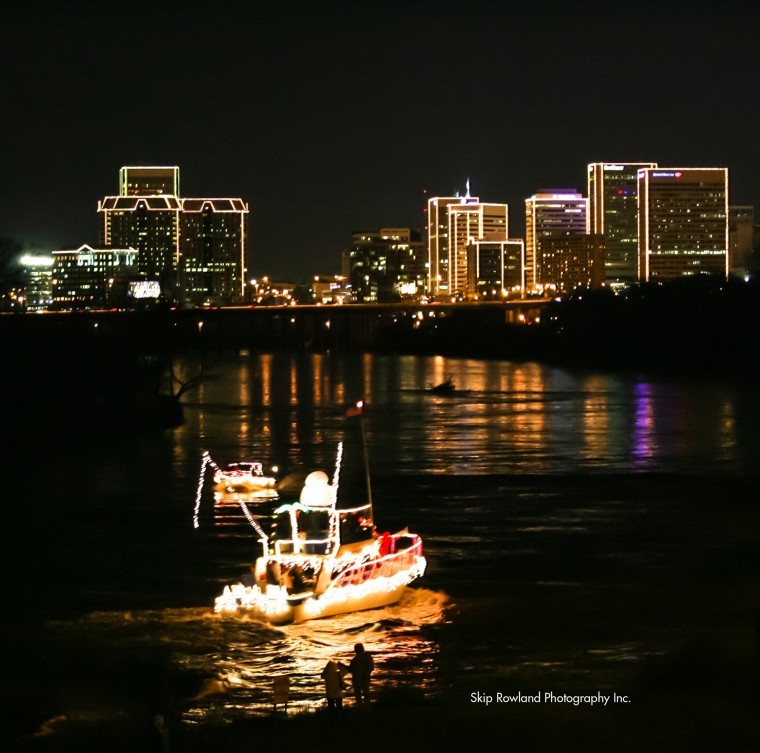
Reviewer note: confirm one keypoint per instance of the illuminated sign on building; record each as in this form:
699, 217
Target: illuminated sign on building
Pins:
145, 289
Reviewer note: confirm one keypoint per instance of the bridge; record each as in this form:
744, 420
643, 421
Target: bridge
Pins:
317, 327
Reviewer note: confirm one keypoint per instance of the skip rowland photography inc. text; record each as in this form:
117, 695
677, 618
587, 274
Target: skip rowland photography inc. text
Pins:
593, 699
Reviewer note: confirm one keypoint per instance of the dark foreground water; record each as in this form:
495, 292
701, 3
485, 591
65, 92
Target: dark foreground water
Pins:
585, 534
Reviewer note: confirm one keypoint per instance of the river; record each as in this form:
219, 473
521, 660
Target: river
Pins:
579, 528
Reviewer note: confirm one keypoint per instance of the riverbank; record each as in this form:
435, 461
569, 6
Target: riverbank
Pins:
692, 325
696, 703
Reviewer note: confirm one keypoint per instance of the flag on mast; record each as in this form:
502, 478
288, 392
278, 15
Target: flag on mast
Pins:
355, 410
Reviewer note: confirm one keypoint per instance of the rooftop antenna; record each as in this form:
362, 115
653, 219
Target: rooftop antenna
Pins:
467, 185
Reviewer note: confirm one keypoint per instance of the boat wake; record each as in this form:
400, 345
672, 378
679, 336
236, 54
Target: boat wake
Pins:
218, 668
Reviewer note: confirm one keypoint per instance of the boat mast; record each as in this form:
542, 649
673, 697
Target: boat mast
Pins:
334, 533
360, 405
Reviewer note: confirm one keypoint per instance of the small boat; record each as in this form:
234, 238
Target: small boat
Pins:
446, 387
243, 475
321, 560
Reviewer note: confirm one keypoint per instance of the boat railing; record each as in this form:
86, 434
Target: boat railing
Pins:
305, 546
396, 561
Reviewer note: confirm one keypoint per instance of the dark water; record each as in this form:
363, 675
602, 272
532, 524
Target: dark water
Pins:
579, 529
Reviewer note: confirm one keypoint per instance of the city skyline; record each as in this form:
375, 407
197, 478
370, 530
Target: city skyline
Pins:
334, 123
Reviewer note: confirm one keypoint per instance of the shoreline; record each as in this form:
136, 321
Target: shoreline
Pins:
706, 712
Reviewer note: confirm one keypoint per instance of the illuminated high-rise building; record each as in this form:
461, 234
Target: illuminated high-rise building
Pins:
194, 248
569, 262
550, 213
741, 236
385, 266
438, 240
88, 277
454, 223
612, 213
495, 269
149, 181
683, 222
38, 272
151, 225
213, 251
469, 223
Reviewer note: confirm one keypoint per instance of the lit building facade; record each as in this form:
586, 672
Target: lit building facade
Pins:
569, 262
495, 269
149, 181
88, 277
550, 213
213, 251
741, 237
195, 249
469, 223
453, 224
683, 222
151, 225
612, 213
386, 265
38, 274
329, 289
438, 240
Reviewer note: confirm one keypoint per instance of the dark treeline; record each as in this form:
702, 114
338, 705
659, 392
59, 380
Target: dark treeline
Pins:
692, 325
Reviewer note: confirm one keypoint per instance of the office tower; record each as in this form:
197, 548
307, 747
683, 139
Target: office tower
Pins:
87, 277
495, 269
38, 274
550, 213
741, 231
569, 262
469, 223
612, 213
149, 181
149, 224
438, 240
683, 222
213, 251
386, 265
198, 244
453, 223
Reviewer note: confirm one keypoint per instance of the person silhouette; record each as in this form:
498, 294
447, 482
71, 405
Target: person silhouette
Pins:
361, 667
332, 674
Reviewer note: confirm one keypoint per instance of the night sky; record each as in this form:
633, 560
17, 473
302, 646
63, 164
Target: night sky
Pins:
337, 118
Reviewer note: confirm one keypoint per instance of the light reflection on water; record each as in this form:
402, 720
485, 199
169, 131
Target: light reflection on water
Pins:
519, 417
232, 660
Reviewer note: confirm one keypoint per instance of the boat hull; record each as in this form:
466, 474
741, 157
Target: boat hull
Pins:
245, 481
311, 609
351, 593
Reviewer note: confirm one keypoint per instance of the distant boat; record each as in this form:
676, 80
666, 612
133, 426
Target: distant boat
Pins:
446, 387
243, 475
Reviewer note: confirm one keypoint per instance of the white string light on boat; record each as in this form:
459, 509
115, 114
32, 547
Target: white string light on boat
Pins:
196, 511
336, 475
274, 601
208, 460
334, 529
251, 519
294, 529
355, 593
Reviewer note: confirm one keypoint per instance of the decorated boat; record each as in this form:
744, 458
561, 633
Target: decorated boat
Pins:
322, 559
243, 475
